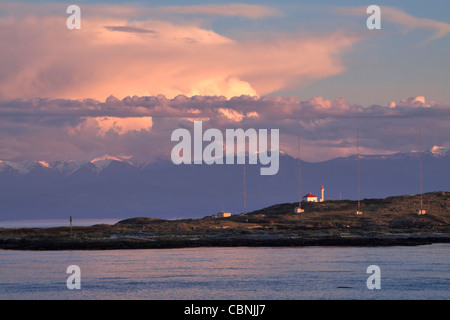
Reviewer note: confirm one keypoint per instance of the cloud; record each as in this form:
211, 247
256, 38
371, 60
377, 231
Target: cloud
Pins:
407, 21
49, 130
133, 74
412, 102
232, 9
128, 29
131, 55
231, 114
122, 125
397, 16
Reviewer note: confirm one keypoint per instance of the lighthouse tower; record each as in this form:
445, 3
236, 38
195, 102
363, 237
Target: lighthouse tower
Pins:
322, 189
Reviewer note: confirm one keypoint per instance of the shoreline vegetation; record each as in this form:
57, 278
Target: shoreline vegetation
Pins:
391, 221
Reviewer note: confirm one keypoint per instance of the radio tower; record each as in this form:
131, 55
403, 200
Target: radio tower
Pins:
420, 211
245, 196
358, 211
299, 208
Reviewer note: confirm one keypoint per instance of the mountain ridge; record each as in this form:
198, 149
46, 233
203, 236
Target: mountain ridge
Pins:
123, 187
70, 166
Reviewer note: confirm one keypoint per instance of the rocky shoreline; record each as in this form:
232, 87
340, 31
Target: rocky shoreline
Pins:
229, 241
386, 222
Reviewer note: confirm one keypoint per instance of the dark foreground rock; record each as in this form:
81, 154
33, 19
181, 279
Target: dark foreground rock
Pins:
167, 243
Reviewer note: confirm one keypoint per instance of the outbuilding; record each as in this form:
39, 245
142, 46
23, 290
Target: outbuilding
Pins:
310, 197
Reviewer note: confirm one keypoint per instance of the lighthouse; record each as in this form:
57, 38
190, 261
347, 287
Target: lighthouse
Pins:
322, 189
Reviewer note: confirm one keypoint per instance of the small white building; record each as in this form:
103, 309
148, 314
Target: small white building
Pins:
298, 210
222, 215
310, 197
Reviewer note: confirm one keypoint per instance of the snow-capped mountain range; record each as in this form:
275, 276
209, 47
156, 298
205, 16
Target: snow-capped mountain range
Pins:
68, 167
121, 186
439, 151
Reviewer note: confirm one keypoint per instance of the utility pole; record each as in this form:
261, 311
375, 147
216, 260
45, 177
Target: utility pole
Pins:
71, 226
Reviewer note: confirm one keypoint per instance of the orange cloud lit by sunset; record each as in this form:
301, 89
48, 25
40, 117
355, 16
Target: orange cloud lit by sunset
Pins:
122, 57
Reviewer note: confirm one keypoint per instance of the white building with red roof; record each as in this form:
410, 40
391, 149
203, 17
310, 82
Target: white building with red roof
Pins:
310, 197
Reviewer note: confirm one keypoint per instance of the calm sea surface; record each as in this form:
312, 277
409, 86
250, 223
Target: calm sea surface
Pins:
51, 223
421, 272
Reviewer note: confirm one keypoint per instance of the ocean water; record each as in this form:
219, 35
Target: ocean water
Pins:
50, 223
406, 273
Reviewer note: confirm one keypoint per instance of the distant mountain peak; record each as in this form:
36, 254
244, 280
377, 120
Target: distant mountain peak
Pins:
105, 160
109, 157
44, 164
439, 151
23, 167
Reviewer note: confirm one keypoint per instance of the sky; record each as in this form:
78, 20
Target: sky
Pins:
136, 71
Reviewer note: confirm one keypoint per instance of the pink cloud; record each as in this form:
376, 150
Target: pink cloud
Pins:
232, 9
405, 20
412, 102
49, 130
119, 125
126, 57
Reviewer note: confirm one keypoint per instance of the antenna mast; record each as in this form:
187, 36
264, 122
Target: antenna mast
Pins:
358, 212
299, 179
421, 211
420, 150
245, 196
299, 208
357, 165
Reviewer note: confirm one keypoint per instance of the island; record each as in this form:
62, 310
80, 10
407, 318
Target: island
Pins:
391, 221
